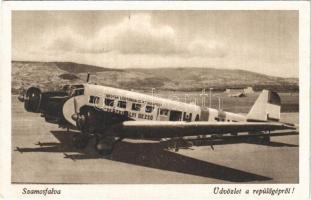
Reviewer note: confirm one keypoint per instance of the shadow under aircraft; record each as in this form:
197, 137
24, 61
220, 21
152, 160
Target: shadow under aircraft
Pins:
152, 155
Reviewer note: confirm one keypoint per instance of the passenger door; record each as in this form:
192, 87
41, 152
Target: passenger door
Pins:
163, 114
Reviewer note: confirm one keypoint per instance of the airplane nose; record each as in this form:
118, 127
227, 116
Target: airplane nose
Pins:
80, 120
74, 117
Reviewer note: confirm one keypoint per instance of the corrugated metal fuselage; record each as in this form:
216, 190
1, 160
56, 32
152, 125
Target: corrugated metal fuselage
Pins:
138, 106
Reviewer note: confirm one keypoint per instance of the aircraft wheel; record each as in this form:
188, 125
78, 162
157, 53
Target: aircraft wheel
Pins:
80, 141
104, 146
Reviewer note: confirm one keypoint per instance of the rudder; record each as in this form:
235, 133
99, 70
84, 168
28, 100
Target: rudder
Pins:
266, 108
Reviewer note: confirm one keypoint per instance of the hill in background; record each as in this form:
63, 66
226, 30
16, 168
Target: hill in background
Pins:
51, 75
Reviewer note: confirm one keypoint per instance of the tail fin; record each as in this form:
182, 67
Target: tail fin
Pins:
266, 108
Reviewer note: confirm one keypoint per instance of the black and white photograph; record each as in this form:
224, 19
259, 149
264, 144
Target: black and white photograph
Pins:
153, 96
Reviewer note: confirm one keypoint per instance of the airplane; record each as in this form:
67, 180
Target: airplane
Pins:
240, 94
111, 114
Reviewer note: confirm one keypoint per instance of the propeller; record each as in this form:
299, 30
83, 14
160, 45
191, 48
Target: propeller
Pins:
77, 117
22, 94
85, 119
75, 104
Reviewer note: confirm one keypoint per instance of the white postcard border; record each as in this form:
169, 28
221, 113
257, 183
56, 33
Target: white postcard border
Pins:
156, 191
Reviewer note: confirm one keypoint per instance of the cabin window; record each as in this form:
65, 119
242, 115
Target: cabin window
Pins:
220, 119
149, 109
175, 115
164, 112
109, 102
122, 104
187, 117
136, 106
94, 99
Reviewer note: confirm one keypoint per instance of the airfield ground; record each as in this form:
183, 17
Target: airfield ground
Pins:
56, 161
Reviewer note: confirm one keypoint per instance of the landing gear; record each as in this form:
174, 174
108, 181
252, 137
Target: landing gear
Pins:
265, 139
260, 137
104, 146
234, 134
80, 140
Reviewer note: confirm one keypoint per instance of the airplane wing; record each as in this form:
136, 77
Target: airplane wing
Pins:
167, 129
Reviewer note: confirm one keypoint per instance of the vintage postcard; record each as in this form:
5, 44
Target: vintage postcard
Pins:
161, 100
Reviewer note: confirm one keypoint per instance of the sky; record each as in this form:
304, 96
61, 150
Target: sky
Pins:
260, 41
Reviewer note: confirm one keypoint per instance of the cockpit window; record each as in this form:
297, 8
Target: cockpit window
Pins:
77, 86
74, 90
78, 92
